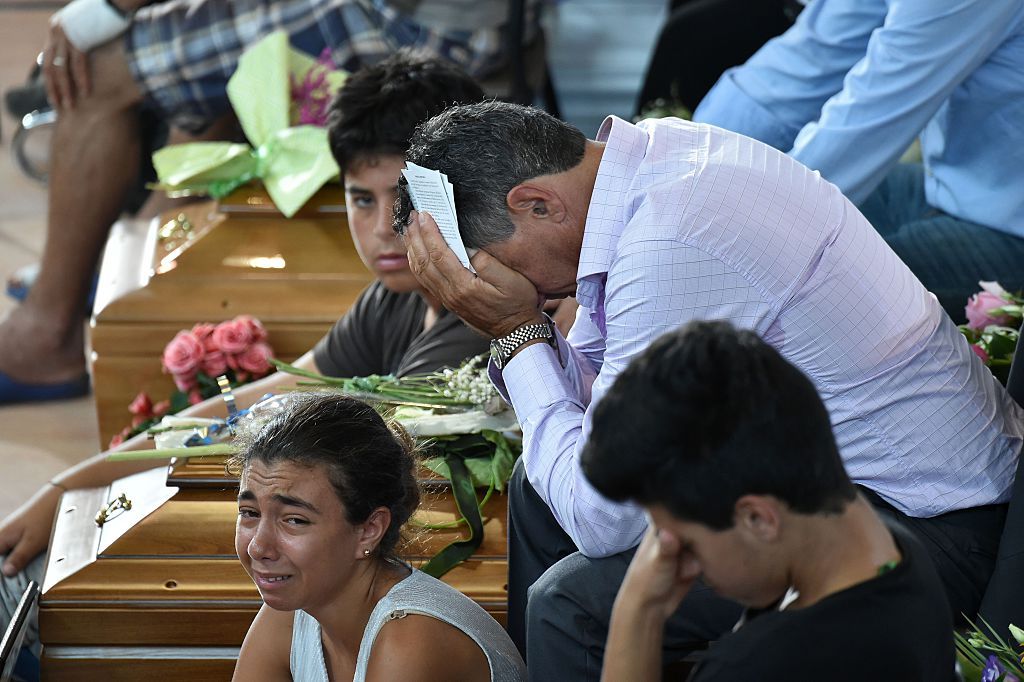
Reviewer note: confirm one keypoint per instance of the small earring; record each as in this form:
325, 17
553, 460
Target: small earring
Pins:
366, 552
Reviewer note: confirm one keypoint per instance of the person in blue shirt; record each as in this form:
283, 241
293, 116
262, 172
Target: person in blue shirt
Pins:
850, 86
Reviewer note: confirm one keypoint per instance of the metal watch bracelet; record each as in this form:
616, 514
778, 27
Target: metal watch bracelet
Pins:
503, 347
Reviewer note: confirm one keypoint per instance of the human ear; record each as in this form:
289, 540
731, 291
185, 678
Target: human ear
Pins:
758, 517
372, 530
534, 200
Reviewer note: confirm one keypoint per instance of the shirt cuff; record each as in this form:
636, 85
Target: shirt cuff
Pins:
498, 379
534, 379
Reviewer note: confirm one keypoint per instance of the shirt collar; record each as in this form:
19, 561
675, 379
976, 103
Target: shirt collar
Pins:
625, 147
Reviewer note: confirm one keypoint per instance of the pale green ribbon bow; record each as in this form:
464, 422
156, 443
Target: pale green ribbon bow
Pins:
292, 161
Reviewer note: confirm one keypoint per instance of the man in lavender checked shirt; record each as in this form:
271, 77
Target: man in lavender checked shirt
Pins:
651, 226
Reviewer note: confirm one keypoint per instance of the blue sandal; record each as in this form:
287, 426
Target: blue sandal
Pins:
12, 392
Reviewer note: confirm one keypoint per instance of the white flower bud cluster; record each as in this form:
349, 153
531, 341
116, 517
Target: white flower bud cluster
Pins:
468, 384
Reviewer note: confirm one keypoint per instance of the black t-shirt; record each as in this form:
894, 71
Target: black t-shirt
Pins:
896, 626
383, 334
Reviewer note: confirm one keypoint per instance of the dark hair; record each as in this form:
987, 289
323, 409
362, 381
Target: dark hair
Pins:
708, 414
378, 107
369, 463
486, 149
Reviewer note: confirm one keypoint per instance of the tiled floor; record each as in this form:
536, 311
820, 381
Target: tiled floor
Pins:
35, 441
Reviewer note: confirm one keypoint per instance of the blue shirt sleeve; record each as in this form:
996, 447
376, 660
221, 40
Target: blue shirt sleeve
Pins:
912, 54
786, 83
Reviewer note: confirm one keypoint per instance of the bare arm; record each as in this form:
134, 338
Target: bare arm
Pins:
267, 648
658, 578
24, 533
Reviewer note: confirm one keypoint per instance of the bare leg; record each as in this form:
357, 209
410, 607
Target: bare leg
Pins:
95, 160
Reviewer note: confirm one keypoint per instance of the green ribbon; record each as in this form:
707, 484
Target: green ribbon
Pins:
466, 502
293, 162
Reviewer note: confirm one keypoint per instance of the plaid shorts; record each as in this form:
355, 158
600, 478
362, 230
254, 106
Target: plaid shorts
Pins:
182, 52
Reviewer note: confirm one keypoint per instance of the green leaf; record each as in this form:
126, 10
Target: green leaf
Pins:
1012, 310
479, 471
438, 465
504, 458
973, 335
179, 401
999, 341
466, 501
207, 383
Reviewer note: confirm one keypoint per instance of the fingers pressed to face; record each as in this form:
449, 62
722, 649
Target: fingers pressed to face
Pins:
434, 264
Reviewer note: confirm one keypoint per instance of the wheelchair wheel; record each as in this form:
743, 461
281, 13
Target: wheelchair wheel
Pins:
31, 144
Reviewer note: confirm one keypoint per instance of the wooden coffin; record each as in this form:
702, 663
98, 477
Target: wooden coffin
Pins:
298, 276
157, 590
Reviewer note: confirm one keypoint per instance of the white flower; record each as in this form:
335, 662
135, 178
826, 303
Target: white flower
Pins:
425, 425
995, 288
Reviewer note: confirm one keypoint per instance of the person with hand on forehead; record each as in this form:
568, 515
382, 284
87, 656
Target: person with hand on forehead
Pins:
653, 225
734, 460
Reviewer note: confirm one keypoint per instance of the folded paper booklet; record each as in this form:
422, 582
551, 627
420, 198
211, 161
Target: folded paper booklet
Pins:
430, 191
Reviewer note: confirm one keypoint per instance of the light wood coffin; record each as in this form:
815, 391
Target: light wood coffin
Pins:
298, 276
158, 593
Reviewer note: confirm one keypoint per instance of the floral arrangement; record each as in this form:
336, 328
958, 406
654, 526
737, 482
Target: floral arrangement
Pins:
461, 424
987, 657
312, 93
994, 318
466, 432
194, 358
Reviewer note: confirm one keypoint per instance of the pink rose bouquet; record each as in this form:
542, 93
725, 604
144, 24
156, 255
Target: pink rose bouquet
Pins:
994, 318
194, 358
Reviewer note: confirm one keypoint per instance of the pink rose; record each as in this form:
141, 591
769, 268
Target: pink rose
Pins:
142, 406
980, 352
256, 328
203, 331
978, 308
195, 397
183, 354
215, 363
256, 359
232, 336
185, 383
126, 432
161, 408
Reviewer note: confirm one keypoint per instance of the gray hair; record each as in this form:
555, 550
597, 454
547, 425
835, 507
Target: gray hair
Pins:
486, 149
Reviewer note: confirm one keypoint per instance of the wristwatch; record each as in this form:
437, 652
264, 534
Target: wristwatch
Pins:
503, 347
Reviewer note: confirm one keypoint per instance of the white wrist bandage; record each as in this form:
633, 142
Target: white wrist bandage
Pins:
90, 23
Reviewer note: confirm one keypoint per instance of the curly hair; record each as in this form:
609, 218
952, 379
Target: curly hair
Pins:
377, 109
